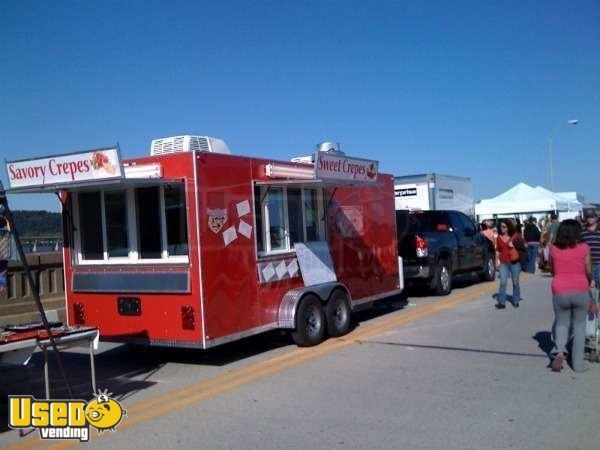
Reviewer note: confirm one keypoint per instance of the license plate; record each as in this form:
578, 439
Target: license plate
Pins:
129, 306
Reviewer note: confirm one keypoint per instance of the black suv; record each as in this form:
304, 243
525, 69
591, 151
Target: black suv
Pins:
435, 245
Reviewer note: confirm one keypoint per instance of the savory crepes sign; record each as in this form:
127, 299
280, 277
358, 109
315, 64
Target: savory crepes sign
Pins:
58, 170
330, 166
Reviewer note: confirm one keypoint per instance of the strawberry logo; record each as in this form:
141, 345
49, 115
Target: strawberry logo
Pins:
100, 161
371, 171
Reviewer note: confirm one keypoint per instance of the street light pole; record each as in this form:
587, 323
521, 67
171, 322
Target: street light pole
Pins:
550, 155
551, 163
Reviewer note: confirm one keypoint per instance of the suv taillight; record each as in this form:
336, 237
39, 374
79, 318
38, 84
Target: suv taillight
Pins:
421, 245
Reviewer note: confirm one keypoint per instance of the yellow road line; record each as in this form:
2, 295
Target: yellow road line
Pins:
165, 403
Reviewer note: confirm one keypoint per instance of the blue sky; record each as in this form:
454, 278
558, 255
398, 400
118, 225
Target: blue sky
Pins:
465, 88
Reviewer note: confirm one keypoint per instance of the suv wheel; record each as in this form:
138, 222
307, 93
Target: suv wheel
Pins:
442, 279
489, 270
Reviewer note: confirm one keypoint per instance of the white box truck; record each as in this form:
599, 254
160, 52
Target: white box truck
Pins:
433, 191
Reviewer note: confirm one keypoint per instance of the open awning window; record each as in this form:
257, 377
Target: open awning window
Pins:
144, 221
104, 184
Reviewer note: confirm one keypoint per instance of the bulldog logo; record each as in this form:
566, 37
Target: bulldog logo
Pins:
216, 219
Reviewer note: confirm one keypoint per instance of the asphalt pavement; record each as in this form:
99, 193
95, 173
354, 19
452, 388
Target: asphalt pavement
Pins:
418, 373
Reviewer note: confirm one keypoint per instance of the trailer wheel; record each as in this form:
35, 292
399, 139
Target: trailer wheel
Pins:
489, 270
338, 314
442, 279
310, 322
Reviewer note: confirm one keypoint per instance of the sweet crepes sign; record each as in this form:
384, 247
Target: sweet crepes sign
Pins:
341, 168
101, 164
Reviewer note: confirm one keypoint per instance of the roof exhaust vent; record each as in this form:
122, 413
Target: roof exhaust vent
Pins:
178, 144
329, 147
326, 147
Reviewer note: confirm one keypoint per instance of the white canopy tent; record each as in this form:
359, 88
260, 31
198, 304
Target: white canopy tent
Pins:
524, 200
575, 202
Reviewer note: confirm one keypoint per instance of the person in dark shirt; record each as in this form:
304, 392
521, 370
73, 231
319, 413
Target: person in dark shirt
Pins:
554, 224
591, 236
532, 236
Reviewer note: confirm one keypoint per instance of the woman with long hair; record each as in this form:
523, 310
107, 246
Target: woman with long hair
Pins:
509, 264
571, 268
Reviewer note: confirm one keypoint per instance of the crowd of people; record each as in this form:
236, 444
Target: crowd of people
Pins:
570, 251
537, 238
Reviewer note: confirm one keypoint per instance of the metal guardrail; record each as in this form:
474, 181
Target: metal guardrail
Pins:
39, 244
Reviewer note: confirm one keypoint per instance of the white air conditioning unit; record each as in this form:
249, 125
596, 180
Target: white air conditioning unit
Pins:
178, 144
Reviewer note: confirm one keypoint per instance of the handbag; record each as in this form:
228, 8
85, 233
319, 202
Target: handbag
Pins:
591, 325
593, 306
519, 252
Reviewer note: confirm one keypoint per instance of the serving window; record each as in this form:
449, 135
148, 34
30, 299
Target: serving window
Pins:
286, 215
132, 224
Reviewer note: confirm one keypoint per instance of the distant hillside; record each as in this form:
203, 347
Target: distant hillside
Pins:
38, 223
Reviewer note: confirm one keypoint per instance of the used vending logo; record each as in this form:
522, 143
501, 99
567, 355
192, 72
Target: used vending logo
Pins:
65, 419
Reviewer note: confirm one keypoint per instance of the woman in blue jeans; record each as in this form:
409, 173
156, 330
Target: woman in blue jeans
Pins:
508, 259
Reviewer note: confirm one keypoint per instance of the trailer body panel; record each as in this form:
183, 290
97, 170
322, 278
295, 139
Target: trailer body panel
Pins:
195, 249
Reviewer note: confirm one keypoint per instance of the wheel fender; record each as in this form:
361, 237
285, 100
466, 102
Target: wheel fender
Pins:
289, 303
448, 256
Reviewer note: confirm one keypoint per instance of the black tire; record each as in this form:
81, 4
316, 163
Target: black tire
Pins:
442, 278
310, 322
338, 314
489, 270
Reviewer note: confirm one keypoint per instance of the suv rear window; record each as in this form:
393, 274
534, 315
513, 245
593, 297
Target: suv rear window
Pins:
427, 221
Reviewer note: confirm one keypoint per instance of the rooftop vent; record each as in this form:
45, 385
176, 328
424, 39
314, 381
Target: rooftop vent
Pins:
178, 144
327, 147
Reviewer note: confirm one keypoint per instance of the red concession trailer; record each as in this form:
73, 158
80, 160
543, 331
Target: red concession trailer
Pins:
195, 247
